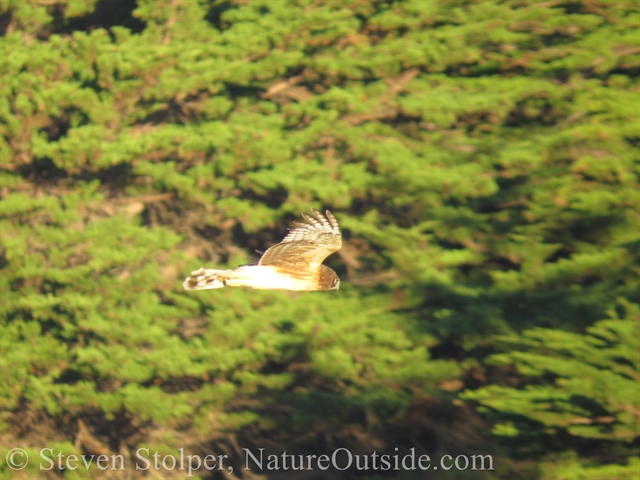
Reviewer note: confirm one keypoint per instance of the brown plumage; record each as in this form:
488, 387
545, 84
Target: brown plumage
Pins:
293, 264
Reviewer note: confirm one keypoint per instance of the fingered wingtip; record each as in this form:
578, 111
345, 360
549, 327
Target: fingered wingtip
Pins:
327, 219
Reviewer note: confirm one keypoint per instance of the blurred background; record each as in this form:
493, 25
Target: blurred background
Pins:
480, 156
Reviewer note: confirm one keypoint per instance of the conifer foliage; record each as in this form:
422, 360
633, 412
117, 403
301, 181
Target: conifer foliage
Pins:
481, 157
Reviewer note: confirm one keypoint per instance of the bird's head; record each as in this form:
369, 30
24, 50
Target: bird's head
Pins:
328, 279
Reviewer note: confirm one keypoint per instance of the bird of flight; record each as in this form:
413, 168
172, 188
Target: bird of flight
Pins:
293, 264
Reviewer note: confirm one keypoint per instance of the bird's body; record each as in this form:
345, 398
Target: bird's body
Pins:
293, 264
261, 277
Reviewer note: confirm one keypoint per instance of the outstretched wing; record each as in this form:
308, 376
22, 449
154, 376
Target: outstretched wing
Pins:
308, 244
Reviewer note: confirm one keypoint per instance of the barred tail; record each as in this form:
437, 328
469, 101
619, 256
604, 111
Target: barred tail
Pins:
206, 278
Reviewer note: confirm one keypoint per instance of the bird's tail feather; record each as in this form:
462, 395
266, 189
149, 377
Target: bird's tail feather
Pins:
206, 278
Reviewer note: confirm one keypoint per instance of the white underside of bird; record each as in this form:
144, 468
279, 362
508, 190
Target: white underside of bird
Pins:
262, 277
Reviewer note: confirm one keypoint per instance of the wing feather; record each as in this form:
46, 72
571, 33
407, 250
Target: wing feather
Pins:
308, 244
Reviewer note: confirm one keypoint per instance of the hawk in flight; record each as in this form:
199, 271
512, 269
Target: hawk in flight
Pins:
293, 264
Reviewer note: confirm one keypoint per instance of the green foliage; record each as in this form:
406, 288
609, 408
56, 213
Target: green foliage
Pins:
571, 469
481, 157
583, 385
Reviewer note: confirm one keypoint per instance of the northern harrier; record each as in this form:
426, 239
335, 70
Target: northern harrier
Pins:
293, 264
